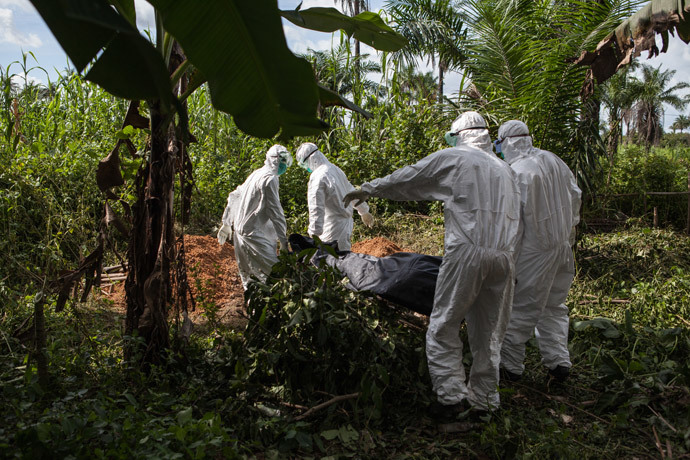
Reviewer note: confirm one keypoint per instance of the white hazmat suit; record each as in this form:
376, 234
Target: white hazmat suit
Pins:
255, 214
550, 202
329, 218
475, 281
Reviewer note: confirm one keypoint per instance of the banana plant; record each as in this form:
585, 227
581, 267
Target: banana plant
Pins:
636, 34
238, 49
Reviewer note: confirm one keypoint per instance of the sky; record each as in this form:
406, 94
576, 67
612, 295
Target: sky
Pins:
22, 30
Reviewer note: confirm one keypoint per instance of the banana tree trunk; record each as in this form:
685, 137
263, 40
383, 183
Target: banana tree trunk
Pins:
152, 245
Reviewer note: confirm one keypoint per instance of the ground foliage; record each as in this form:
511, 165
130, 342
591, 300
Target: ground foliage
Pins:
241, 393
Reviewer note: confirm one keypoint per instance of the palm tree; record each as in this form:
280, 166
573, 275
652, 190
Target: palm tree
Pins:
618, 96
682, 122
521, 67
434, 29
654, 92
335, 70
415, 85
353, 8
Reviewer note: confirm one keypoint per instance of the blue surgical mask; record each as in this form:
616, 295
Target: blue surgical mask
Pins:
451, 138
497, 146
282, 167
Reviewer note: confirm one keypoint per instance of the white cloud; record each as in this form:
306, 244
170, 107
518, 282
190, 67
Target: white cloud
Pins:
22, 80
301, 40
23, 5
10, 34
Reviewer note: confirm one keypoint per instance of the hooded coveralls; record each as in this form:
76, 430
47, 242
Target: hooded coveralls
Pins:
256, 215
550, 202
329, 219
475, 281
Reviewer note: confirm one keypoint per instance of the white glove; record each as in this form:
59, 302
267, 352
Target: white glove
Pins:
224, 233
368, 219
358, 195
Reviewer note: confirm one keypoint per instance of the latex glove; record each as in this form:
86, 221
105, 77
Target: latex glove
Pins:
283, 246
368, 219
358, 195
224, 233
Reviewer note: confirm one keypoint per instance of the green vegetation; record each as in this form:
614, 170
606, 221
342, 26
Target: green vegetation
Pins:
235, 393
319, 371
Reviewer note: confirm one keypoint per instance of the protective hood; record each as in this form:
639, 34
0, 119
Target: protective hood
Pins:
470, 129
275, 156
515, 140
310, 157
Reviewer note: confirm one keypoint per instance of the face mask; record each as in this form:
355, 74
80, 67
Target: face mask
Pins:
497, 146
451, 138
304, 166
499, 152
282, 167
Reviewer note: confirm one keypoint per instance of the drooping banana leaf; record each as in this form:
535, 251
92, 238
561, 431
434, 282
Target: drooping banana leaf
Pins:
637, 34
330, 98
367, 27
128, 67
238, 46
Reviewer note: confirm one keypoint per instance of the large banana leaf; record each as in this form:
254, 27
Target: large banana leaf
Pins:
239, 47
367, 27
129, 67
638, 33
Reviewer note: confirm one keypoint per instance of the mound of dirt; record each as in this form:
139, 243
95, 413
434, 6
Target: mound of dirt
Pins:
215, 281
377, 247
212, 271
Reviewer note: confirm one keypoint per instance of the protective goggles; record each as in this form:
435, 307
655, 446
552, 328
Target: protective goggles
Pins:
465, 129
500, 141
303, 162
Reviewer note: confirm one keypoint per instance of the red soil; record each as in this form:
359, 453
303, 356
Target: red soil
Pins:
214, 279
377, 247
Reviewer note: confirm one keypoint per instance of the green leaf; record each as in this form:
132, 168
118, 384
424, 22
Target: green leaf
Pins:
126, 9
129, 66
130, 398
296, 318
330, 435
330, 98
252, 74
184, 416
367, 27
605, 325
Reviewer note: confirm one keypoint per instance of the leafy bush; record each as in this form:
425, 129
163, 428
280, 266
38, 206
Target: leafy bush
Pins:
309, 335
636, 171
676, 140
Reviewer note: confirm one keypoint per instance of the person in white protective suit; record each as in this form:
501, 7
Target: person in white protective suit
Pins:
254, 218
550, 202
476, 278
329, 219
